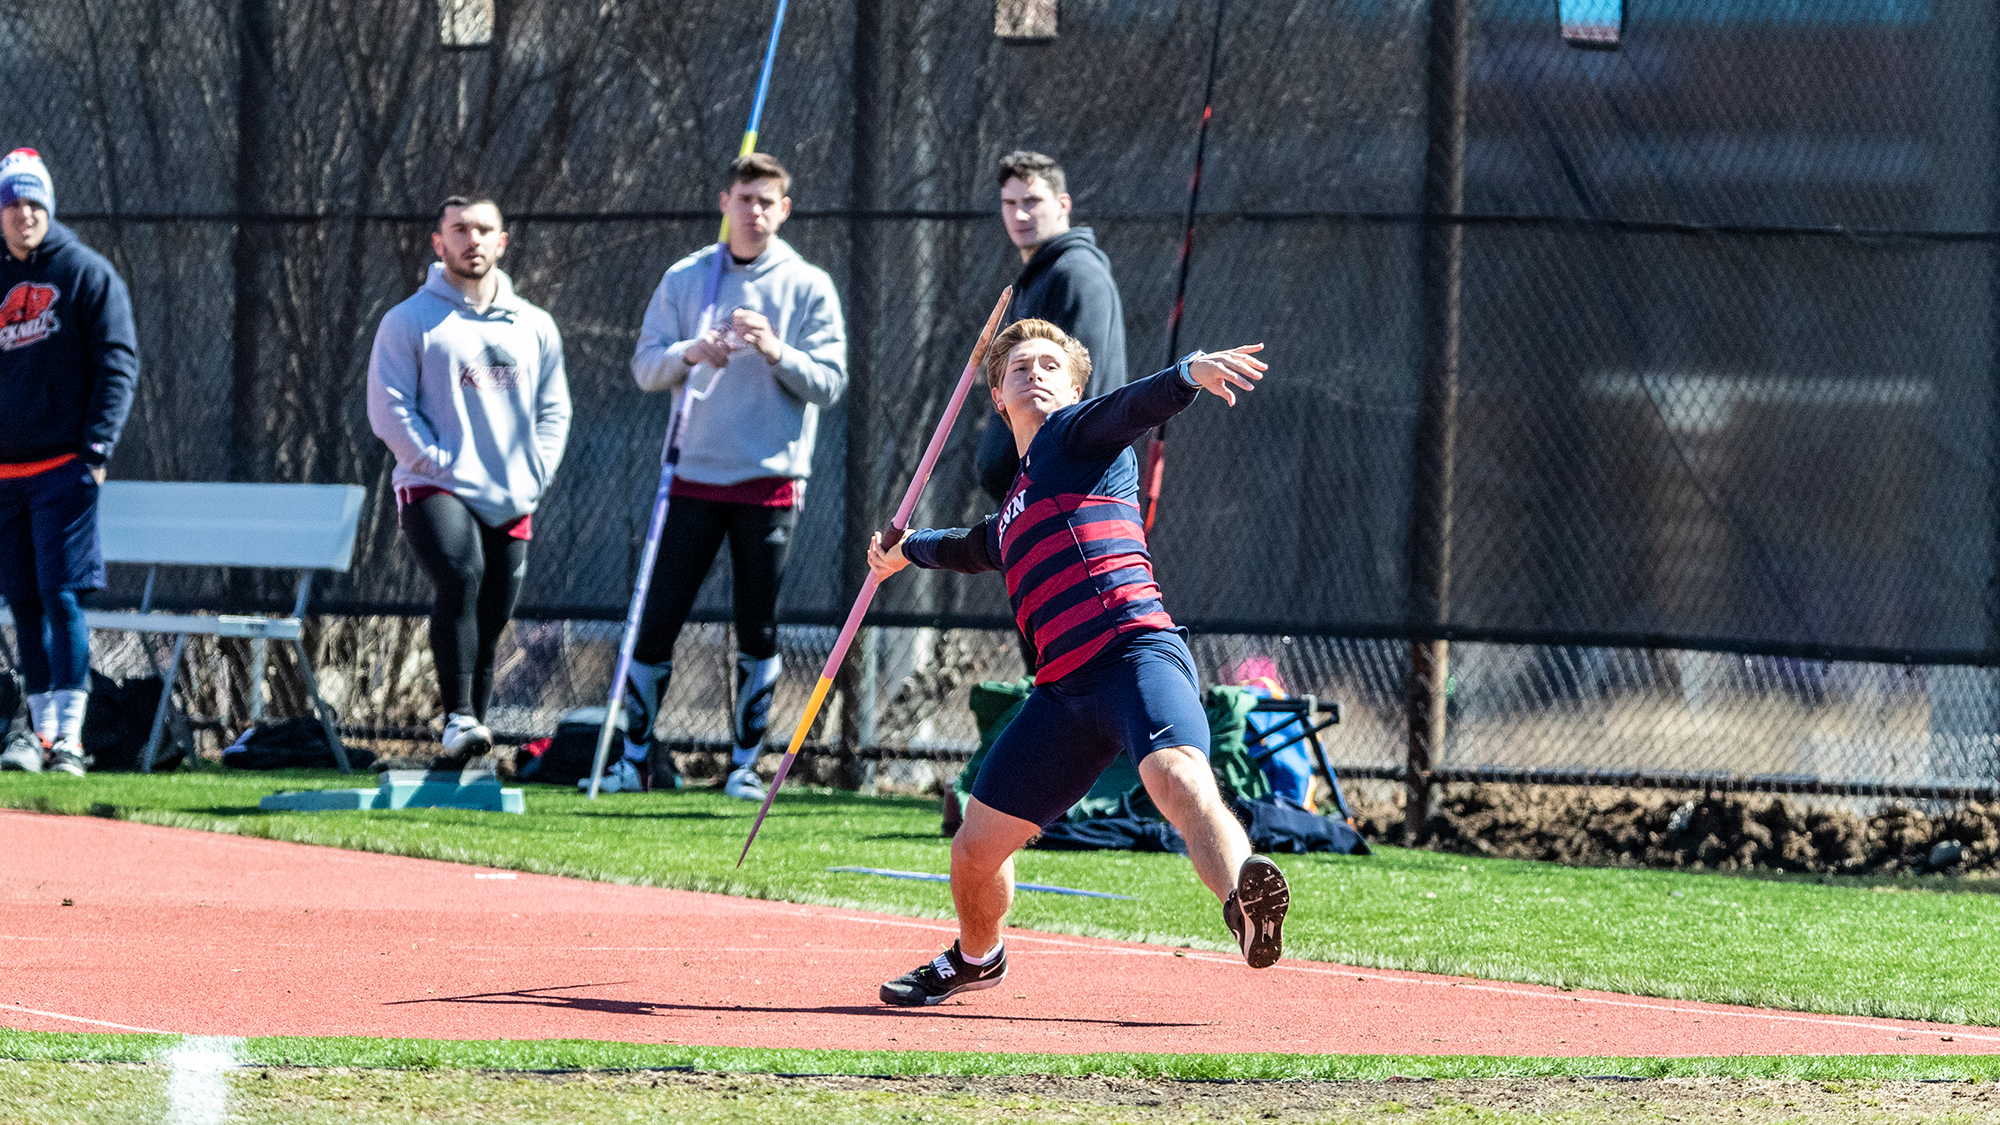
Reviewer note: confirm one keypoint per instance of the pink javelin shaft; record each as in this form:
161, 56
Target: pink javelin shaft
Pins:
867, 595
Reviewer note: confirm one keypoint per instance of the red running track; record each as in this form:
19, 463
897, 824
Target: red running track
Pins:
196, 933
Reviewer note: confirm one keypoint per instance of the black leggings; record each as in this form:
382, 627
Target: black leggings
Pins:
759, 539
454, 548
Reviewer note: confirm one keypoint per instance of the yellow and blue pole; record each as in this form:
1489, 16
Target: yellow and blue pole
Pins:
670, 455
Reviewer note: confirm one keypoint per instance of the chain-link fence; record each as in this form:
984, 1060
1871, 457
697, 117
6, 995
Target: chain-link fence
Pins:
1548, 714
1604, 365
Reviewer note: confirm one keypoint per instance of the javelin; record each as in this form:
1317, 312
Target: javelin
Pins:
896, 526
670, 453
1156, 453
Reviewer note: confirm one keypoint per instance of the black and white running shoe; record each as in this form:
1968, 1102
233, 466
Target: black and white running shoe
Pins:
67, 756
943, 978
1255, 911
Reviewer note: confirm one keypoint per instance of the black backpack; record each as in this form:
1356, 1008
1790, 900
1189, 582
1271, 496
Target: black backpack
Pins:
565, 757
120, 719
295, 744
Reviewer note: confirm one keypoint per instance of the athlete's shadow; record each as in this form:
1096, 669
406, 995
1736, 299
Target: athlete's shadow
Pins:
544, 998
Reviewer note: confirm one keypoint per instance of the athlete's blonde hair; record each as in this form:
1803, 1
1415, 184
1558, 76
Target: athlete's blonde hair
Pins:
1014, 334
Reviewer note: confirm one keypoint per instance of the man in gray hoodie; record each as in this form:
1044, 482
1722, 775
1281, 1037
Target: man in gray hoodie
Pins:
466, 388
771, 354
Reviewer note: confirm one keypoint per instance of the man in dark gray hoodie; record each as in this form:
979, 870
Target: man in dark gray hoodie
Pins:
1065, 280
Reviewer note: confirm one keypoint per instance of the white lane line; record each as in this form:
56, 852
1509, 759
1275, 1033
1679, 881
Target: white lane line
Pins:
198, 1083
81, 1019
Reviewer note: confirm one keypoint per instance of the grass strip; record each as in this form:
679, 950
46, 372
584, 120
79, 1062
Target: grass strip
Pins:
585, 1054
1908, 948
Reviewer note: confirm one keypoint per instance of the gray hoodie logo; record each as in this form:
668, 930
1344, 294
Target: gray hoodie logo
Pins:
495, 371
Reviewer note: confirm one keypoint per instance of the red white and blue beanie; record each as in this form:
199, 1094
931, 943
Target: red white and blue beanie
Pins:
24, 176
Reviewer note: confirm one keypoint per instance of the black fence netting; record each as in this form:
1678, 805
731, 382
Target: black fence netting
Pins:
1687, 343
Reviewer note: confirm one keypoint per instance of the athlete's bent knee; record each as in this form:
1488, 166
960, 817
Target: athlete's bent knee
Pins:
1184, 767
987, 837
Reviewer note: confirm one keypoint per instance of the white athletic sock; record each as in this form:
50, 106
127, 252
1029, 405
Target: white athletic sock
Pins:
42, 716
981, 962
68, 708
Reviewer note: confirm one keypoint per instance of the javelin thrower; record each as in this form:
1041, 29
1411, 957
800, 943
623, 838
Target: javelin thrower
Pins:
1113, 673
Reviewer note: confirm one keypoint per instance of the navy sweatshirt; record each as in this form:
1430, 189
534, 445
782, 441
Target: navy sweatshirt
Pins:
69, 354
1067, 283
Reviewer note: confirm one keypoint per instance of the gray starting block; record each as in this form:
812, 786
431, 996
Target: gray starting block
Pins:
408, 789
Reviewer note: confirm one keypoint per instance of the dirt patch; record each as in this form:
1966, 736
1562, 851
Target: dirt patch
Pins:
1715, 832
64, 1093
1672, 1099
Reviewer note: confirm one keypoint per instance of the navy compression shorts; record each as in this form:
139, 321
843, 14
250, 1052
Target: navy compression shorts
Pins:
1138, 696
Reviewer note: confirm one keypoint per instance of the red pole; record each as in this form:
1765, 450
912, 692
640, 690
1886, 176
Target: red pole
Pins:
1156, 452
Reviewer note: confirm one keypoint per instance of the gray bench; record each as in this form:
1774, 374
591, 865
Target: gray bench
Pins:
303, 527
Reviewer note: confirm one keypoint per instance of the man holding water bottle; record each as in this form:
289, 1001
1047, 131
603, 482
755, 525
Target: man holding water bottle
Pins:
767, 354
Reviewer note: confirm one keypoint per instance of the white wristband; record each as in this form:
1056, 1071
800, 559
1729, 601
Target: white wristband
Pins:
1185, 363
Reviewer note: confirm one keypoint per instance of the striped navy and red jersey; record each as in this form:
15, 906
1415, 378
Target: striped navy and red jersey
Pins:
1069, 536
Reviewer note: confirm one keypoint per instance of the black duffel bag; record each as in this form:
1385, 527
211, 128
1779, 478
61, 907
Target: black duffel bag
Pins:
295, 744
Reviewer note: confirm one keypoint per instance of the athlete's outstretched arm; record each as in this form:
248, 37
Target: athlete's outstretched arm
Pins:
1117, 419
968, 550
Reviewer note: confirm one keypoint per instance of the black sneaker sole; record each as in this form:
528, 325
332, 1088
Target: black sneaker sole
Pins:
1263, 896
924, 1001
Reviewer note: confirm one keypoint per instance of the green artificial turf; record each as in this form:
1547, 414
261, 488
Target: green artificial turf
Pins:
1912, 948
549, 1055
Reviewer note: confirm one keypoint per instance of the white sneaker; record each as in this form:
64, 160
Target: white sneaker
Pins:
466, 738
744, 784
24, 752
621, 776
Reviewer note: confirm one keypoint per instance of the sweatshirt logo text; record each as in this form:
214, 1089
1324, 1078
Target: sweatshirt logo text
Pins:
495, 371
28, 315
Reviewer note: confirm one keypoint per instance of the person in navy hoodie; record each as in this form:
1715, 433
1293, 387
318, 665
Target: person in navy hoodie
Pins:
69, 356
1066, 280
